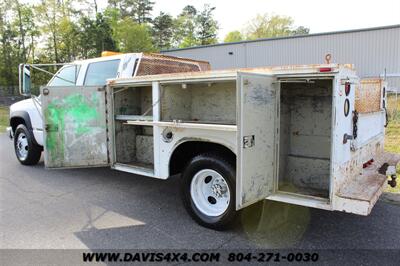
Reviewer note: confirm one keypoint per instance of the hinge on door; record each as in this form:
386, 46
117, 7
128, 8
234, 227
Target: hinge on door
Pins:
107, 126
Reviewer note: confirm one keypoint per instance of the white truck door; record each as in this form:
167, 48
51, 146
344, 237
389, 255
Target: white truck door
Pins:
75, 126
257, 96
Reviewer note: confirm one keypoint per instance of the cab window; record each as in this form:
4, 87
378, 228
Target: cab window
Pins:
98, 72
66, 76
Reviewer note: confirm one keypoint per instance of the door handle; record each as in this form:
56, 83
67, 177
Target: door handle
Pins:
347, 137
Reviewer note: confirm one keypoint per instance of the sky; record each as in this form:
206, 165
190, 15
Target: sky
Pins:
318, 15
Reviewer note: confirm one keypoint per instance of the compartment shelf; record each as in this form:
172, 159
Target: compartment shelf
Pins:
134, 117
184, 125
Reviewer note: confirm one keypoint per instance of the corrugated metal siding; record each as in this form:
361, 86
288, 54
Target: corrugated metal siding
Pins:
371, 51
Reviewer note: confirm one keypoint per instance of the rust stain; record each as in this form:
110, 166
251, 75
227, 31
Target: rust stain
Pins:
233, 71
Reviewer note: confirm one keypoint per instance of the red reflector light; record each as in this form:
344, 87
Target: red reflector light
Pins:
368, 163
347, 88
325, 69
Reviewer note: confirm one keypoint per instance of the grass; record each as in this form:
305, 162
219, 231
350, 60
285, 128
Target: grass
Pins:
392, 139
3, 118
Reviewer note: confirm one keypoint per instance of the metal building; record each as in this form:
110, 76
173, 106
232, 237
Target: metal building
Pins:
374, 52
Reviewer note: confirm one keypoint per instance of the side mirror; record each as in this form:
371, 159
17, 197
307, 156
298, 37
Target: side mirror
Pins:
24, 80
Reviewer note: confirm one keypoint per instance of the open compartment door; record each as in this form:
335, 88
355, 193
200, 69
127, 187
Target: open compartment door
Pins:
75, 126
257, 96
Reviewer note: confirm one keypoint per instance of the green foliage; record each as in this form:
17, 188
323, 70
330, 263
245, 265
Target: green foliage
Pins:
266, 26
234, 36
185, 28
95, 36
4, 119
54, 31
301, 31
143, 9
207, 26
138, 10
195, 28
163, 31
133, 37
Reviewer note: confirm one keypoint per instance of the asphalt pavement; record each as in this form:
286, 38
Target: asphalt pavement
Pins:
100, 208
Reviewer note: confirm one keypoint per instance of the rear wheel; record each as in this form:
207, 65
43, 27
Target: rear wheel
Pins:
208, 189
27, 152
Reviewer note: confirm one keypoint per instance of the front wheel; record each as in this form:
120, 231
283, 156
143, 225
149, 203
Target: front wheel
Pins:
28, 153
208, 189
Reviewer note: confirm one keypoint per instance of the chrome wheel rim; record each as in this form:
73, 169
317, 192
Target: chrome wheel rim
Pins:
22, 146
210, 192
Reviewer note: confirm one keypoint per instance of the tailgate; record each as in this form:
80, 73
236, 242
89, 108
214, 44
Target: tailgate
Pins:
359, 193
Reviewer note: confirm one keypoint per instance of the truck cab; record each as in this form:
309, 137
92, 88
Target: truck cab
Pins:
26, 117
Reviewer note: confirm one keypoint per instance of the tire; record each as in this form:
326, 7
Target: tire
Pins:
208, 191
27, 152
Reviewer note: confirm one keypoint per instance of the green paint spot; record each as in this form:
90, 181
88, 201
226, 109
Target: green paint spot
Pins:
76, 111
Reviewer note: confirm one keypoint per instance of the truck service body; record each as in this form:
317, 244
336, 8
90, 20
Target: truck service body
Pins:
311, 135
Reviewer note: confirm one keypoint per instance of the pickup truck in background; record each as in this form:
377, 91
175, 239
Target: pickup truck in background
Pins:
26, 118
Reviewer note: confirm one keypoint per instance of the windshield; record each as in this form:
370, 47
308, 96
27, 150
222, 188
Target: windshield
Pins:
99, 72
66, 76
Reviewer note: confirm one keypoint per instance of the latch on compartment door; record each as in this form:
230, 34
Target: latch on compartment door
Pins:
248, 141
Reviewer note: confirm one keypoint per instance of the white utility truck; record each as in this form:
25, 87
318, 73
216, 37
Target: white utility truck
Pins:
26, 121
310, 135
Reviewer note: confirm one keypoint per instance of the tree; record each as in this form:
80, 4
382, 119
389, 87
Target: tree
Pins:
8, 42
134, 37
95, 36
138, 10
23, 23
22, 31
71, 29
207, 26
266, 26
143, 10
68, 42
234, 36
113, 16
163, 31
185, 28
193, 28
49, 13
301, 31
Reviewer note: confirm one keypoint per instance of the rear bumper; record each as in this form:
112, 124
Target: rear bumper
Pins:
359, 194
10, 133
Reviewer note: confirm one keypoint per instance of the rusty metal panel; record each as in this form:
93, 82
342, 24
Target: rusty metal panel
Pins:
75, 127
153, 64
359, 193
257, 124
368, 96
